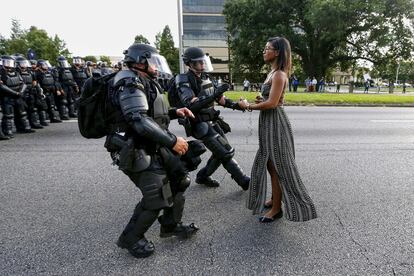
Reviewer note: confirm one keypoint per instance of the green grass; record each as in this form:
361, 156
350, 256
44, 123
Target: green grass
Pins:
330, 98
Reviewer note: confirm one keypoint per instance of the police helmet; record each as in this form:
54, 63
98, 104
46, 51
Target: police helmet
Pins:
22, 62
62, 62
194, 54
44, 64
8, 62
146, 54
77, 61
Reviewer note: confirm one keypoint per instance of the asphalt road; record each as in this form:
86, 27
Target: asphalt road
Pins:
62, 204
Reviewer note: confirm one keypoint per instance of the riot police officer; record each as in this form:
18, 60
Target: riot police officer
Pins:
148, 151
78, 71
50, 87
13, 106
66, 101
33, 93
196, 91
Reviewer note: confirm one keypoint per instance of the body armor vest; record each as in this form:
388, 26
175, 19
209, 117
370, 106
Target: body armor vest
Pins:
79, 75
47, 81
66, 77
27, 79
160, 110
13, 81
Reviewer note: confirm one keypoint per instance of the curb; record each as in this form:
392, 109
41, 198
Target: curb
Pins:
356, 105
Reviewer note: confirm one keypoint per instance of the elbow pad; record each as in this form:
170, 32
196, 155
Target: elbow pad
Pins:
183, 87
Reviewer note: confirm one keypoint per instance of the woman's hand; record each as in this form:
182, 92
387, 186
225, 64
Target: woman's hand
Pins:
243, 103
258, 99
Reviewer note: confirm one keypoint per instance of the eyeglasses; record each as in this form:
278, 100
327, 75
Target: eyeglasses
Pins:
269, 49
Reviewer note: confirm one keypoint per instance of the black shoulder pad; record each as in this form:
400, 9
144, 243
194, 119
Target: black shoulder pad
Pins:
181, 79
124, 74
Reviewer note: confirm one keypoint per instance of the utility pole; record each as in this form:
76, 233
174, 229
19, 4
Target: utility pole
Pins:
180, 35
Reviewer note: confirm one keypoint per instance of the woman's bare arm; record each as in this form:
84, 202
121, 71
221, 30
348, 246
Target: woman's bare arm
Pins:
276, 91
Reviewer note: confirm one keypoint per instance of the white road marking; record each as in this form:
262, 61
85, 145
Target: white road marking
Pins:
392, 121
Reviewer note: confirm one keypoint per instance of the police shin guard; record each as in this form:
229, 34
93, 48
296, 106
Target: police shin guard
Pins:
34, 120
138, 225
237, 173
43, 118
24, 125
63, 112
54, 116
72, 111
170, 221
7, 125
2, 135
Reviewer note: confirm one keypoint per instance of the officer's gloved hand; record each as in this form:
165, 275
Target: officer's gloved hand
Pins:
220, 90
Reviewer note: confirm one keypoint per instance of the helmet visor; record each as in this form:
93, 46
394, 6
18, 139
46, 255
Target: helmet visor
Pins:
208, 67
77, 61
8, 63
23, 63
160, 63
45, 65
64, 64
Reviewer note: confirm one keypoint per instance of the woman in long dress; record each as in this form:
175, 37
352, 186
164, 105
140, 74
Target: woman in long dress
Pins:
276, 151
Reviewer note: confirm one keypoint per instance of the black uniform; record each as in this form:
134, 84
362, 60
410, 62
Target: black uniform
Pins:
47, 82
66, 102
13, 107
208, 127
146, 157
33, 96
79, 75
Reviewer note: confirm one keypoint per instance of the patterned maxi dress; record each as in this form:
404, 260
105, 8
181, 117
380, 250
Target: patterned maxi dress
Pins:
276, 144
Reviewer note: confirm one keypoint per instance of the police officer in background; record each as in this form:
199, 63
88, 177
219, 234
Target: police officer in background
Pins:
197, 92
50, 87
33, 93
78, 71
148, 150
12, 87
66, 101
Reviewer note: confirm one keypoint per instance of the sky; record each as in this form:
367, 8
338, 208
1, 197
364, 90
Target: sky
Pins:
91, 27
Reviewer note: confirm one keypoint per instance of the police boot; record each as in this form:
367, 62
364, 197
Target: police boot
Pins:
24, 126
3, 136
63, 112
54, 117
42, 118
72, 111
34, 120
180, 230
140, 249
237, 174
7, 125
203, 176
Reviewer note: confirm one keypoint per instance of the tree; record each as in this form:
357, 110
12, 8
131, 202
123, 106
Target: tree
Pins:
164, 43
106, 59
36, 39
141, 39
90, 58
323, 33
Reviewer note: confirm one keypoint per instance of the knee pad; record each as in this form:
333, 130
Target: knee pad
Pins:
155, 188
219, 146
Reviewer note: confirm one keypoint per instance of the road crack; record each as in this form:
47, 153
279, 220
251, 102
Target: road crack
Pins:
363, 250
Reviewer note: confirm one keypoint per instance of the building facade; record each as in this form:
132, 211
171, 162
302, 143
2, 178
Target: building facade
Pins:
204, 26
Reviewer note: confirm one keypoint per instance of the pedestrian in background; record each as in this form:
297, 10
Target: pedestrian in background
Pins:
246, 85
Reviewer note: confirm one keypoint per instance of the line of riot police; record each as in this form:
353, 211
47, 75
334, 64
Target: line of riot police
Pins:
33, 92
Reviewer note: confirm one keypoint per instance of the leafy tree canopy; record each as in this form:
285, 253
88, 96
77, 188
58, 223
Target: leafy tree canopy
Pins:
45, 46
323, 33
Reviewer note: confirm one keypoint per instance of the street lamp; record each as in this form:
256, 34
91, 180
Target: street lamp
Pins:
180, 35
